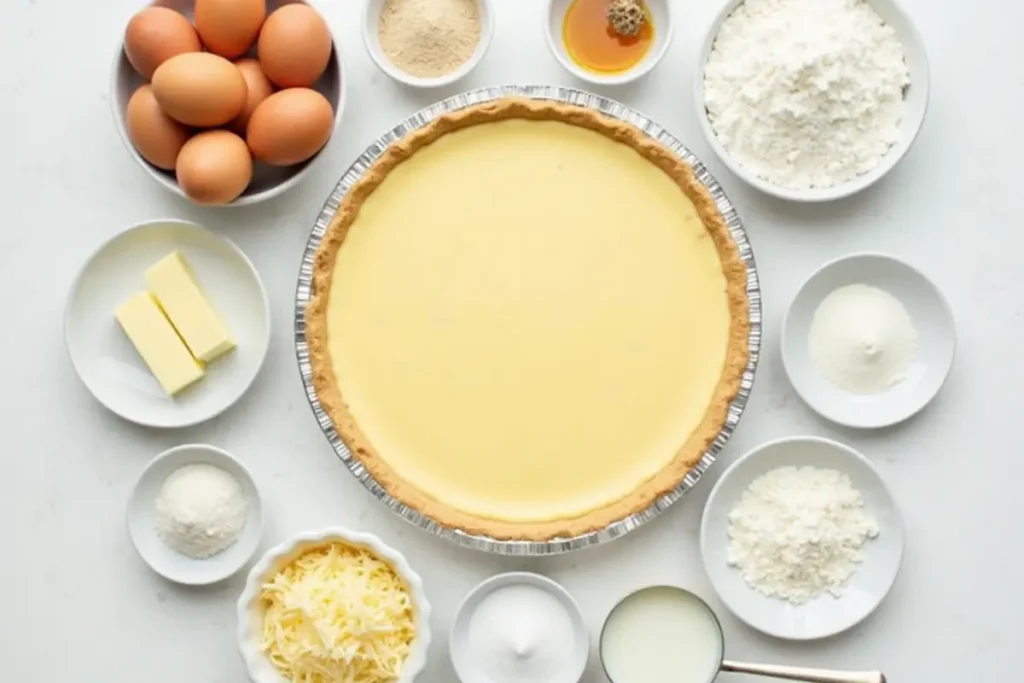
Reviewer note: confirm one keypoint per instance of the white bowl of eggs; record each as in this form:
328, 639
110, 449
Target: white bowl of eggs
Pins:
227, 102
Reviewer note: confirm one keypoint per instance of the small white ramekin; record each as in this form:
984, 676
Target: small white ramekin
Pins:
664, 31
458, 639
371, 20
250, 611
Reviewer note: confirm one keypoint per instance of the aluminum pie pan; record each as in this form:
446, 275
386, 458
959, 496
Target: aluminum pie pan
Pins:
566, 96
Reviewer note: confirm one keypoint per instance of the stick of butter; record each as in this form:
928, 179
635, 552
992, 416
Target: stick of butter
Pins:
158, 344
174, 285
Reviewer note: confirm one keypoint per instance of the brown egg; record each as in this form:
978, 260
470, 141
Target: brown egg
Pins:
294, 46
259, 89
156, 136
290, 126
155, 35
200, 89
229, 27
214, 167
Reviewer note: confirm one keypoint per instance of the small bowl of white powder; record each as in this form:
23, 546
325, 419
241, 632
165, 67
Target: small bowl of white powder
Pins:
195, 516
801, 538
868, 341
519, 627
811, 100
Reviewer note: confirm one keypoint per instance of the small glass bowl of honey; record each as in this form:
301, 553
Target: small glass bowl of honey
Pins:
586, 44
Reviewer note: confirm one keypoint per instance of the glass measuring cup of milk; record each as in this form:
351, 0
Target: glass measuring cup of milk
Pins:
664, 633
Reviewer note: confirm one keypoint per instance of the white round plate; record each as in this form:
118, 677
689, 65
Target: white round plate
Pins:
171, 564
105, 359
936, 342
826, 615
459, 637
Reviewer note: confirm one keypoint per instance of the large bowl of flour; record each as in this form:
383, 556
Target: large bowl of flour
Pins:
811, 100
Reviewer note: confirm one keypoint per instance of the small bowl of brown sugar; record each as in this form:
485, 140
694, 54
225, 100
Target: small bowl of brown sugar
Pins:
428, 43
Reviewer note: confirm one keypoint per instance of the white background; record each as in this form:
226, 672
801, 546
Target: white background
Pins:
80, 606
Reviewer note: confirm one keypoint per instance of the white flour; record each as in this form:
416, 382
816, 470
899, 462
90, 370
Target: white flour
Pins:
806, 93
862, 339
799, 532
200, 511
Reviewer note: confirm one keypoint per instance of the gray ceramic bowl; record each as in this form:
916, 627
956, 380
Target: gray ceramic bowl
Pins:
267, 181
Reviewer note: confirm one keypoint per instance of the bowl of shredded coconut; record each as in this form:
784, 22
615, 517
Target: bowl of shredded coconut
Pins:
801, 538
811, 100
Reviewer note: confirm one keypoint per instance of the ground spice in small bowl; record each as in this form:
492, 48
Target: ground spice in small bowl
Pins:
429, 38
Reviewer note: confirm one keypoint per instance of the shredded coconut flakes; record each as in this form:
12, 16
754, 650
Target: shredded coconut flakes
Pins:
799, 532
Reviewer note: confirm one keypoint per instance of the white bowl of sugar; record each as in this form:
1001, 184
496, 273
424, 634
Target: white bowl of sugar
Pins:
770, 137
401, 37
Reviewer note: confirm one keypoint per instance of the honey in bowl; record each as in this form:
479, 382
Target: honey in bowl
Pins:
592, 41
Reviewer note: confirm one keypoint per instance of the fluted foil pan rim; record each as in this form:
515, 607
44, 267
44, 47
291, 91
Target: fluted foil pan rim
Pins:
567, 96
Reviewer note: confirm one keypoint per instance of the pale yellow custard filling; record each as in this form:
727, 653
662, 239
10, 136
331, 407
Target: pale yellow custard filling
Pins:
527, 320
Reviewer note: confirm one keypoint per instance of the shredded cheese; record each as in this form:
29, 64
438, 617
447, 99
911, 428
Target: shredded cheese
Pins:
337, 614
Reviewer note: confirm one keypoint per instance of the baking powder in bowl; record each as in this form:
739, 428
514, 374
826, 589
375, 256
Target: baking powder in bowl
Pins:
862, 339
806, 93
521, 634
200, 511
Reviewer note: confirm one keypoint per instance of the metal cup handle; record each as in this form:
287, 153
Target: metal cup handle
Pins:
796, 673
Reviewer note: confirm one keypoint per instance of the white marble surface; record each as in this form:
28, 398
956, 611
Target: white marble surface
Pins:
80, 605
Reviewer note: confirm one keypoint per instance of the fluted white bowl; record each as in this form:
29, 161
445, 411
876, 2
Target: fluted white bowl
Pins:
250, 609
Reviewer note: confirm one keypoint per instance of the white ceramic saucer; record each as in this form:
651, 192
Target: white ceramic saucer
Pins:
826, 615
936, 342
171, 564
107, 362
